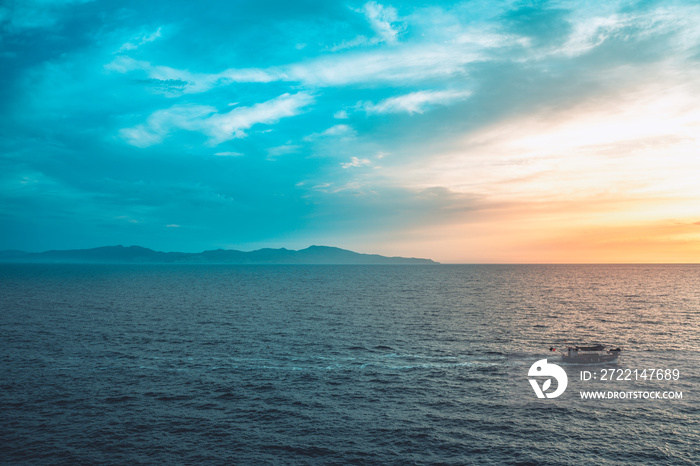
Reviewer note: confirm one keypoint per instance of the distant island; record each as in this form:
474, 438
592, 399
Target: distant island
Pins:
141, 255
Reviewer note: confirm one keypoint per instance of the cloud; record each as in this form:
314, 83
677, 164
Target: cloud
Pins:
580, 33
336, 131
356, 162
403, 65
140, 39
162, 122
637, 144
380, 19
409, 63
442, 56
415, 102
339, 130
219, 127
223, 127
417, 60
189, 82
439, 55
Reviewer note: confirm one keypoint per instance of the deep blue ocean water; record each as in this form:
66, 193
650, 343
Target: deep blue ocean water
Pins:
185, 364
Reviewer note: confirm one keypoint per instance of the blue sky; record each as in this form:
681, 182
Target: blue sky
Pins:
461, 131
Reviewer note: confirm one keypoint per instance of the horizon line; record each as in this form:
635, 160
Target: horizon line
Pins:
436, 262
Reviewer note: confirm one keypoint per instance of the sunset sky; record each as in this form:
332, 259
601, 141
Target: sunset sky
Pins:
563, 131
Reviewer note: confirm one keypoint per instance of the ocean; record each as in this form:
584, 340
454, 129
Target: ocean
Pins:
223, 364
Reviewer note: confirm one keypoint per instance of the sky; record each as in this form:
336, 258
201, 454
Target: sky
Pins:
465, 132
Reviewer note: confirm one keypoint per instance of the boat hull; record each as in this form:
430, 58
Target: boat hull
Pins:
591, 358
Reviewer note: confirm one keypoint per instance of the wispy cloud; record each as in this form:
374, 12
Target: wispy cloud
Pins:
162, 122
336, 131
140, 39
356, 162
219, 127
407, 64
222, 127
410, 62
415, 102
382, 20
191, 82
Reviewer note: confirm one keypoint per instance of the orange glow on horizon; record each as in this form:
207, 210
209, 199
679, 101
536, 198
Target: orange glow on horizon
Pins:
606, 181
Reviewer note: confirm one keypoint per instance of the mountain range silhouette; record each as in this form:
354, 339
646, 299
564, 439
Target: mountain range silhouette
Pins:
138, 254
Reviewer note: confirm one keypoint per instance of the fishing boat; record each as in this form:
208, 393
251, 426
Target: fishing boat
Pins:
595, 354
